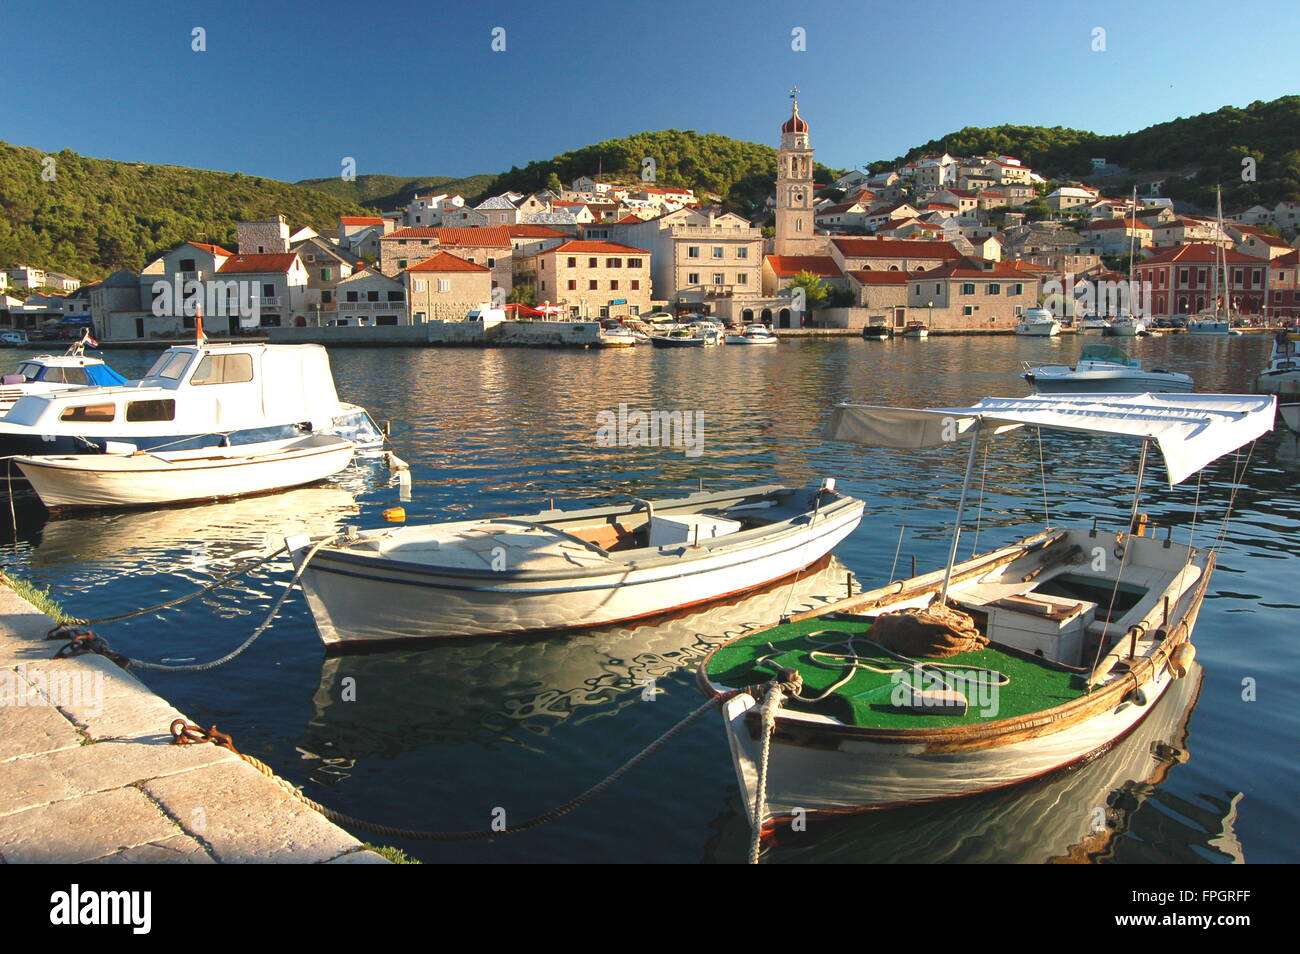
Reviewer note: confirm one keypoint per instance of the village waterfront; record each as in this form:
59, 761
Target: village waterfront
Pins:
441, 736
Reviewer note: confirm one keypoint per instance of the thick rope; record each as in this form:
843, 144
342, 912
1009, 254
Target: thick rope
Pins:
771, 705
184, 734
239, 569
89, 642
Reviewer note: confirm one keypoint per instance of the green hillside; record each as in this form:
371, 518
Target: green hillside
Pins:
743, 173
98, 215
390, 192
1200, 151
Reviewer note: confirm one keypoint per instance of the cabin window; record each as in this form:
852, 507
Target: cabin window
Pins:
151, 410
169, 366
87, 413
65, 376
29, 371
224, 369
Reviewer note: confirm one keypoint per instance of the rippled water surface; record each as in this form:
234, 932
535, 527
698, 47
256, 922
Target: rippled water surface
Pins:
441, 736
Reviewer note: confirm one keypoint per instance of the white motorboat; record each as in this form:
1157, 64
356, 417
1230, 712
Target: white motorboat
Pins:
563, 570
194, 396
754, 335
1211, 325
141, 478
1038, 323
1022, 661
1125, 326
1290, 414
1282, 376
1104, 368
1093, 326
45, 373
915, 329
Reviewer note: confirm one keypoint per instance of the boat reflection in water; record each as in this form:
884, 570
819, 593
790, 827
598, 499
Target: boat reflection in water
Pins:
493, 691
1108, 808
215, 532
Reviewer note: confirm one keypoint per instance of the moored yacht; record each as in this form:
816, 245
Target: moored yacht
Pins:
753, 335
1282, 376
1104, 368
46, 372
1038, 323
197, 395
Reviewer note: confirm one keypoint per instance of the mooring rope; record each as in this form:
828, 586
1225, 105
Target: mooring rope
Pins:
240, 569
771, 705
185, 734
85, 641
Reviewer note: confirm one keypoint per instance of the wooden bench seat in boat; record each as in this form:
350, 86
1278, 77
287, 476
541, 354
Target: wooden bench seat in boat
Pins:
491, 544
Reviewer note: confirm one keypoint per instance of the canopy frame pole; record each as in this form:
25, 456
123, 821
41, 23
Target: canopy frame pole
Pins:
1137, 491
961, 507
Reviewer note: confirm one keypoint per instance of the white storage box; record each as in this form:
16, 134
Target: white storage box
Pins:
678, 529
1041, 625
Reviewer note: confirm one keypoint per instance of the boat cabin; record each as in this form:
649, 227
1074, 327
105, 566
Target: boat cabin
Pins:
197, 389
1108, 354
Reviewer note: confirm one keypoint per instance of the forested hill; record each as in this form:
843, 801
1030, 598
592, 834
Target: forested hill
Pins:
98, 215
1193, 153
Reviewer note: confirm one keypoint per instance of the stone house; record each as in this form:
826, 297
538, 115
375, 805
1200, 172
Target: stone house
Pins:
444, 287
595, 278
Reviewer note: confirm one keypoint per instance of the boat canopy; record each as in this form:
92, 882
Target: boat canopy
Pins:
1111, 353
101, 375
1191, 430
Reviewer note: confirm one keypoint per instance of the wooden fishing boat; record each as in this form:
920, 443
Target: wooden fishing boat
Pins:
915, 329
563, 570
142, 478
1290, 414
1072, 635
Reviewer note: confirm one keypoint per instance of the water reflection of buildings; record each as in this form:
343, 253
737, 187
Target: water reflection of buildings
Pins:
1110, 808
487, 692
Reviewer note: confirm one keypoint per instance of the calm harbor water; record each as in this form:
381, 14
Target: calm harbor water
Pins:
438, 737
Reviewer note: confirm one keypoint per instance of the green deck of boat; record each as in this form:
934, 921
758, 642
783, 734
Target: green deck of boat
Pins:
1033, 687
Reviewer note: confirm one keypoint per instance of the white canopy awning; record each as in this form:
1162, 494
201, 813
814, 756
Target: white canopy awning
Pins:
1191, 430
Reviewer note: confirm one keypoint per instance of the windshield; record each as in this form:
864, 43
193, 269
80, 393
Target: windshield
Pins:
1101, 352
29, 370
170, 365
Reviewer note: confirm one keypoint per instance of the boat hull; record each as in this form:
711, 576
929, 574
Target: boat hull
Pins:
84, 481
373, 601
1085, 382
1280, 382
1290, 414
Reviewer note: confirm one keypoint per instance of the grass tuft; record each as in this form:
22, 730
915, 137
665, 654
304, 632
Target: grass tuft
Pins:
37, 596
396, 855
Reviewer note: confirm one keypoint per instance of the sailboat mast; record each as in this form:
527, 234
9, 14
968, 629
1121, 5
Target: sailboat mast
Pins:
961, 507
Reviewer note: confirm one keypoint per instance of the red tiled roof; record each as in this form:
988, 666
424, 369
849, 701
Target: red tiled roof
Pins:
1200, 252
821, 265
629, 218
272, 262
360, 220
880, 278
1102, 224
447, 262
534, 231
972, 268
476, 236
895, 248
211, 249
581, 246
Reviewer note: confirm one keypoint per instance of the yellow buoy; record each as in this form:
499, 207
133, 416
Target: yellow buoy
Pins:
395, 514
1180, 660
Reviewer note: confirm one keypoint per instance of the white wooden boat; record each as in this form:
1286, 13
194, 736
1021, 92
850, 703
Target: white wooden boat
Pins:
1104, 368
1282, 376
561, 570
753, 335
1087, 630
915, 329
141, 479
1038, 323
199, 395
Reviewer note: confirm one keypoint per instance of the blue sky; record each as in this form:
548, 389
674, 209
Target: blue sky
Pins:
288, 90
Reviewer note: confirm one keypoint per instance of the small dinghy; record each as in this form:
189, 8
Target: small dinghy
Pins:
563, 570
992, 671
144, 478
